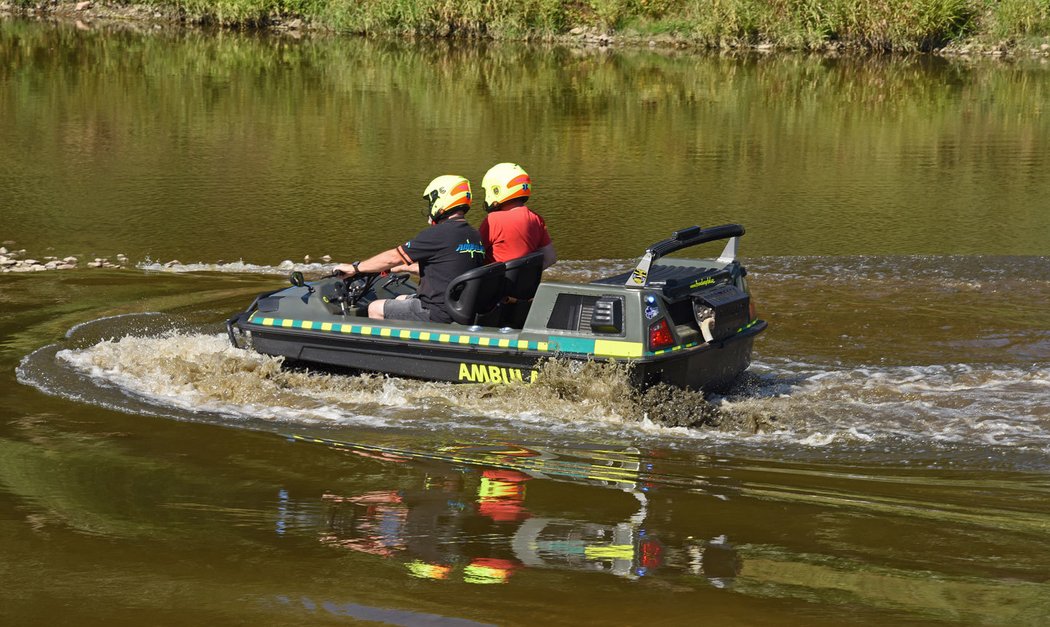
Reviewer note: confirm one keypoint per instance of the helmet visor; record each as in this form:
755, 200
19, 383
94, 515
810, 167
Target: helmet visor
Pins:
431, 198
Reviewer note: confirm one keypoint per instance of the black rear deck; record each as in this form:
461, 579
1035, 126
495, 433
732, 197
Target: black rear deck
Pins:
671, 279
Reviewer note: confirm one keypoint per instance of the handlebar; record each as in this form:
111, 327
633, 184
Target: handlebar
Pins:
684, 238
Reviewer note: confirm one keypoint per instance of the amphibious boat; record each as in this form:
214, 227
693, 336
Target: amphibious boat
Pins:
684, 322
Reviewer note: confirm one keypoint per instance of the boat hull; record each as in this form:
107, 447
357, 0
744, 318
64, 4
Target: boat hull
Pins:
461, 357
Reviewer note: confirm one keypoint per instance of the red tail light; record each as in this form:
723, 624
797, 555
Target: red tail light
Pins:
660, 335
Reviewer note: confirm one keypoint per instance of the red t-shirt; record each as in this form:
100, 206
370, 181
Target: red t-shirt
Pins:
513, 233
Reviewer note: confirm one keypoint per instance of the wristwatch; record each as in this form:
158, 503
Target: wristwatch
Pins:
356, 269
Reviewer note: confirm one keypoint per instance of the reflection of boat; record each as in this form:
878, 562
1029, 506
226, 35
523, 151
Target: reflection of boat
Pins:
613, 468
425, 528
685, 322
482, 532
621, 549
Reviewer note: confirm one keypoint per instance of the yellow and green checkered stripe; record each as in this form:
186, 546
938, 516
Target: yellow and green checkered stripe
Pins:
402, 334
560, 344
674, 349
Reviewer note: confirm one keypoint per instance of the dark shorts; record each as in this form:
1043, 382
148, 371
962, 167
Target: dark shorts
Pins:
407, 309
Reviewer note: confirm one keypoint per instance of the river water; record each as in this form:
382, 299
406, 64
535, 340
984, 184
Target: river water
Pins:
886, 458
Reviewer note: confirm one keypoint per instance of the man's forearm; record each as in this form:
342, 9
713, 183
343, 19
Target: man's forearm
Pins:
376, 263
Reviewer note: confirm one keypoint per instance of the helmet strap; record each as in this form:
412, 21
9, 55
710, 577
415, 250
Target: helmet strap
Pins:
447, 214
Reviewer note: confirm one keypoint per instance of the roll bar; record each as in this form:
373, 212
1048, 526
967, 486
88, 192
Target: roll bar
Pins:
685, 238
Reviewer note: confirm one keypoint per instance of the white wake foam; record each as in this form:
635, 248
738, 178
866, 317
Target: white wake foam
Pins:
785, 402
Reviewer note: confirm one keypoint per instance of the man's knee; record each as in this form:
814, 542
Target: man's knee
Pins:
375, 309
405, 309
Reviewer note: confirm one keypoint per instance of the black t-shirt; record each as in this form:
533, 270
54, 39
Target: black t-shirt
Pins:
444, 251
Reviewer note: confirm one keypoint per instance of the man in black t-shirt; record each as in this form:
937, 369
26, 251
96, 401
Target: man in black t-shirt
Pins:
439, 253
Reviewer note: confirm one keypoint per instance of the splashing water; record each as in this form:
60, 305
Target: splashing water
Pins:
201, 375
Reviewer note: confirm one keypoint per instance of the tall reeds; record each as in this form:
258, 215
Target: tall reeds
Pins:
794, 24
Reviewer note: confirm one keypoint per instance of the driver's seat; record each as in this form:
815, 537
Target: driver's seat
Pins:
475, 293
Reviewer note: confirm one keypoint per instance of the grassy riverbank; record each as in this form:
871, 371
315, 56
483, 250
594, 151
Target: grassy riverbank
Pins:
790, 24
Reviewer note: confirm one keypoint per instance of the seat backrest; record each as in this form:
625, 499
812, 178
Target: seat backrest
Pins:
475, 292
523, 275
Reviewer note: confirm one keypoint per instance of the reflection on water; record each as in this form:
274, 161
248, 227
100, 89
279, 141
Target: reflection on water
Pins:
234, 147
472, 515
309, 607
476, 524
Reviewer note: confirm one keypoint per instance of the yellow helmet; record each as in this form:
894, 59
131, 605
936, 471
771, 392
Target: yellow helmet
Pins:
503, 182
446, 194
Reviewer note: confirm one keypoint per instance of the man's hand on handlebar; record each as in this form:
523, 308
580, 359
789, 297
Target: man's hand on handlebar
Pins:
346, 269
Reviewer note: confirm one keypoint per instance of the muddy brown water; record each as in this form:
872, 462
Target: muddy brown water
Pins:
887, 457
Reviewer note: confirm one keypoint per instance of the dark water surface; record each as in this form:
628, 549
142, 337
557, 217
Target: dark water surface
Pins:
887, 459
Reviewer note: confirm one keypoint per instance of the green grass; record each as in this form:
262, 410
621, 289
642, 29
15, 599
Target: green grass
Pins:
796, 24
1013, 18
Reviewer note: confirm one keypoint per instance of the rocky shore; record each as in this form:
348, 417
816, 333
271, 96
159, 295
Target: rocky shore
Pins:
18, 260
591, 37
12, 260
85, 13
91, 14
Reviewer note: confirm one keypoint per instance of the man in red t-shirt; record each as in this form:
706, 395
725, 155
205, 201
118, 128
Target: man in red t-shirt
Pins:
512, 230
